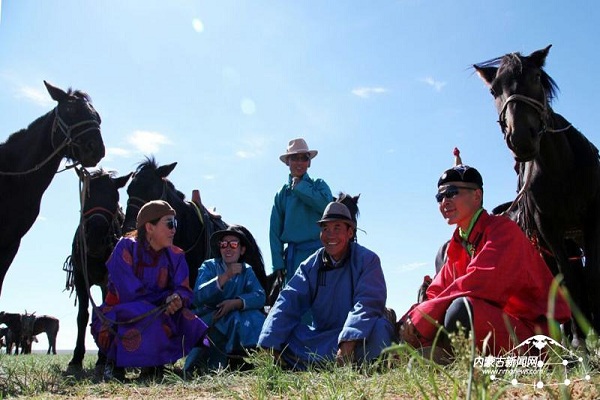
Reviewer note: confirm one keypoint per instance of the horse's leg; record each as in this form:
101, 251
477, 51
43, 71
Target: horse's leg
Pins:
592, 268
52, 333
76, 363
556, 244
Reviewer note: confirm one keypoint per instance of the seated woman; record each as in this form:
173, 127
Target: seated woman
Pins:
145, 320
229, 299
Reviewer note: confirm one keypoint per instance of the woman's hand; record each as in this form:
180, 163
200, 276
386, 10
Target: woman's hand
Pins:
226, 306
174, 303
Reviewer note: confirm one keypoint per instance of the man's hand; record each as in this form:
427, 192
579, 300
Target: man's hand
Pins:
410, 334
226, 306
295, 181
174, 303
345, 353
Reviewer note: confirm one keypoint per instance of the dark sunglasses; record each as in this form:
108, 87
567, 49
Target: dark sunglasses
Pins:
299, 157
450, 192
233, 244
172, 223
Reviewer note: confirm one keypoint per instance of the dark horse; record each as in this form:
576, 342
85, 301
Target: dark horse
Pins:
33, 326
13, 334
559, 172
30, 157
195, 223
94, 240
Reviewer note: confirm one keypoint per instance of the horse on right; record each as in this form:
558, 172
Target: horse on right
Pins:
559, 173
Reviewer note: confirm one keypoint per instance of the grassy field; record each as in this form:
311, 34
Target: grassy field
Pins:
403, 375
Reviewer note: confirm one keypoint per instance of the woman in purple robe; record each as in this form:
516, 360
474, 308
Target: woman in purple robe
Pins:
145, 319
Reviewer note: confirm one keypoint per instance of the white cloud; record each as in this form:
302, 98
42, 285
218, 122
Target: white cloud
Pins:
252, 147
197, 25
437, 85
35, 95
366, 92
116, 152
412, 266
148, 142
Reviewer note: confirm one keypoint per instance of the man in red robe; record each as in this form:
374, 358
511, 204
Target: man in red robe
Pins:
492, 272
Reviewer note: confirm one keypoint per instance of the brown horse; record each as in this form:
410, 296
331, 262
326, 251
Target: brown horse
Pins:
33, 325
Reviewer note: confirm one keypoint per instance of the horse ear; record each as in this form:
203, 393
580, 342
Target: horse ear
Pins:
164, 170
122, 180
487, 74
539, 57
355, 198
57, 94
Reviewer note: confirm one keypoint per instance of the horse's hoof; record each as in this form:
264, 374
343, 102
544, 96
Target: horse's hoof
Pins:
75, 370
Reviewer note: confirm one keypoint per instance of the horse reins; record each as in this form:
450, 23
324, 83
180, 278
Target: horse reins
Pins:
66, 130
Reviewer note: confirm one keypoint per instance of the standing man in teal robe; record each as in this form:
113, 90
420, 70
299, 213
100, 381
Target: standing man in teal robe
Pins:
294, 236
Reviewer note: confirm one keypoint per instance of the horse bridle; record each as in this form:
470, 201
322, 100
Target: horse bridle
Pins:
542, 109
110, 218
67, 130
137, 202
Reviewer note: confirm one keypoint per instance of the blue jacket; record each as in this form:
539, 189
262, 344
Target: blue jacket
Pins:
294, 216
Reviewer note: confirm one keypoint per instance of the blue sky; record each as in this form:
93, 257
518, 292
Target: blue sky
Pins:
383, 89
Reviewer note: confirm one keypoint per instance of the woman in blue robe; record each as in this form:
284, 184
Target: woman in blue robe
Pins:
343, 286
229, 298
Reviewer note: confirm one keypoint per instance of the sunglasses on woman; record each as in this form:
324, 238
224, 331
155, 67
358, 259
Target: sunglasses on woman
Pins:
450, 192
232, 243
171, 223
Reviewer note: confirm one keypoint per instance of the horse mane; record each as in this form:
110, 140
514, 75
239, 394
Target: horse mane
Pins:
514, 63
97, 173
79, 94
151, 164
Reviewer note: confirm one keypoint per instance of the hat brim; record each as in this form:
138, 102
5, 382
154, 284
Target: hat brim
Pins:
311, 154
342, 219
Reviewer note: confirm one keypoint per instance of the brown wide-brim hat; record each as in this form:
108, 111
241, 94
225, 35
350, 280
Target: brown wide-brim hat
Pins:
153, 210
231, 230
297, 146
337, 212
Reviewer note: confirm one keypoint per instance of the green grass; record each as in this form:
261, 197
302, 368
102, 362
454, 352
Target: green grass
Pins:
403, 374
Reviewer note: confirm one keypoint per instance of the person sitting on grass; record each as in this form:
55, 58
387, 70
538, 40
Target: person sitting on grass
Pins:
344, 287
145, 320
229, 298
493, 282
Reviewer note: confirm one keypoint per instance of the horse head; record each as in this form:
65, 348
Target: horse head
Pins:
76, 129
352, 203
149, 182
522, 92
102, 216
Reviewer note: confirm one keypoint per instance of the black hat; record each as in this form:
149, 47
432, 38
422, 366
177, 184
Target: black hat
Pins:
461, 173
337, 212
231, 230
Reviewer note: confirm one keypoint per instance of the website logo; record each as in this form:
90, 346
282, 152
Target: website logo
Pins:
539, 361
